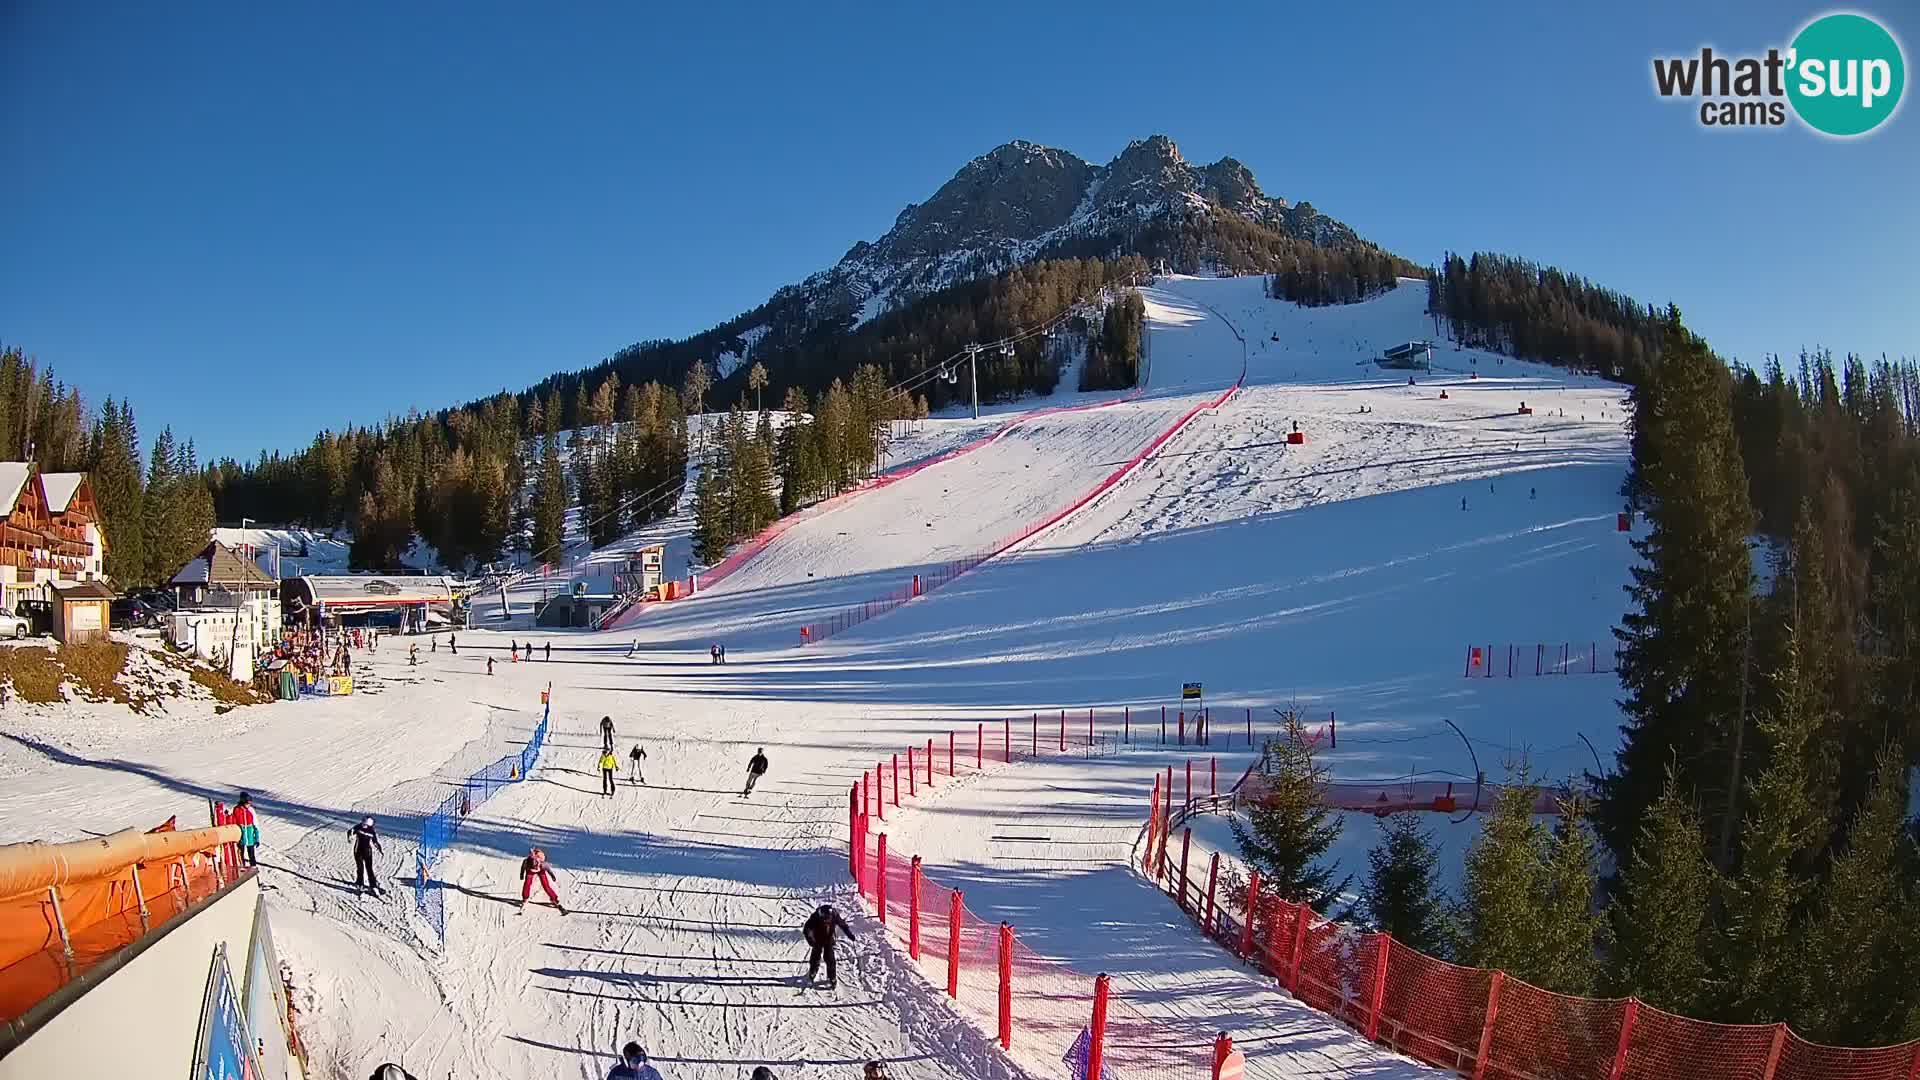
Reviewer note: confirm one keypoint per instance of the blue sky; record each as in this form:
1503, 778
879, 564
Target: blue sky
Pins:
256, 225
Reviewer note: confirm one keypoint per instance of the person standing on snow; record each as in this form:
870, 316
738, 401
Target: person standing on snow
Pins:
606, 733
818, 932
366, 841
534, 866
453, 644
249, 831
608, 766
633, 1065
489, 665
756, 768
636, 773
549, 655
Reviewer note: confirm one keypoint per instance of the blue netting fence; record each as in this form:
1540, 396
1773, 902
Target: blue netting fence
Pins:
442, 826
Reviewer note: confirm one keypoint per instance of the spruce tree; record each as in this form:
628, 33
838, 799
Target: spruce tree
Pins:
1861, 960
1681, 645
1761, 950
1572, 926
549, 503
1290, 828
1502, 917
117, 489
711, 513
1663, 913
1402, 894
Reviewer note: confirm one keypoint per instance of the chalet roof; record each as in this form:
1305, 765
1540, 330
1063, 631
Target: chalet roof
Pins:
13, 480
86, 590
219, 565
60, 487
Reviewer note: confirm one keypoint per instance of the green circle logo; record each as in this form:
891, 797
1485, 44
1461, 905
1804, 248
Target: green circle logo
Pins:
1845, 74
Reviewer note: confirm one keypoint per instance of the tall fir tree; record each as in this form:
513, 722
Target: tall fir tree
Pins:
1663, 926
1681, 645
1527, 893
1290, 828
550, 501
118, 490
1401, 894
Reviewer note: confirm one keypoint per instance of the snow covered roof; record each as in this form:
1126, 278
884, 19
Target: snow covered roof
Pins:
60, 487
217, 564
13, 479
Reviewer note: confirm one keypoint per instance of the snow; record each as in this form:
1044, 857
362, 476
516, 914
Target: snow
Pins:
1341, 574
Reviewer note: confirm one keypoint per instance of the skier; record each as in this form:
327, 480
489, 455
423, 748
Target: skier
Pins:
633, 648
513, 651
608, 766
366, 841
489, 665
714, 652
818, 932
532, 867
1463, 502
756, 768
1533, 493
606, 733
453, 644
433, 645
633, 1065
413, 655
249, 831
723, 655
636, 772
549, 656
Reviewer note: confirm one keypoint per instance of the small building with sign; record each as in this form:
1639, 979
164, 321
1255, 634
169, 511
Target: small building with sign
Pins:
1408, 355
80, 611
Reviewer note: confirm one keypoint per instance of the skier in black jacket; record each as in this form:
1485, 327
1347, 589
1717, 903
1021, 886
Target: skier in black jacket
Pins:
818, 931
756, 768
606, 734
366, 841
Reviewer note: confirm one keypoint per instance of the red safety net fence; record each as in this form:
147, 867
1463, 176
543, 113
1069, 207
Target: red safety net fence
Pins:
1039, 1008
1475, 1021
929, 580
1515, 660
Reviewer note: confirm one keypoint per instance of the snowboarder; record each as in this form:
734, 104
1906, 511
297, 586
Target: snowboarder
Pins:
818, 931
633, 1065
249, 831
756, 768
608, 766
606, 733
489, 665
637, 773
532, 867
366, 841
549, 655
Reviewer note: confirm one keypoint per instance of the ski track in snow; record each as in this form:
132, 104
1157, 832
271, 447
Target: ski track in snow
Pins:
1341, 573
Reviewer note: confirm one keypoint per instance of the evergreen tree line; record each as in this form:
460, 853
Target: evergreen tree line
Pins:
1114, 348
1756, 812
1320, 276
1520, 308
155, 517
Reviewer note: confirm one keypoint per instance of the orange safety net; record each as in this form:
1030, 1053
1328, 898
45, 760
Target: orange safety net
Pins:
102, 916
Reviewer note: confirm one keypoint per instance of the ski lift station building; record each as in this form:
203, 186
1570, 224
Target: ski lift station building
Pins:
417, 601
1409, 354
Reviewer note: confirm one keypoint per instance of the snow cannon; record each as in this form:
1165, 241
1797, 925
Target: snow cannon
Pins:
1296, 437
1623, 523
1473, 375
1525, 409
1443, 395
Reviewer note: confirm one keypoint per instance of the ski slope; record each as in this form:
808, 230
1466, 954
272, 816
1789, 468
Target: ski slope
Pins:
1342, 574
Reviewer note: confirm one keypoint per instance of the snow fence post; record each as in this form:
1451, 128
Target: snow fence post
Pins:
1186, 845
880, 791
1249, 729
1097, 1032
910, 772
1626, 1038
1253, 910
1773, 1051
1186, 798
1126, 722
1006, 741
913, 909
980, 745
1006, 986
896, 779
1163, 725
1153, 826
1182, 729
1213, 776
1213, 878
1222, 1050
853, 833
880, 887
955, 912
1036, 734
1089, 731
1486, 1026
930, 757
1379, 994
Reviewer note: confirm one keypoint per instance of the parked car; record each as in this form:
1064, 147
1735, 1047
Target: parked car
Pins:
128, 613
14, 626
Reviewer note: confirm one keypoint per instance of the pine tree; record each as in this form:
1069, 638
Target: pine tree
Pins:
549, 502
1402, 894
1290, 828
711, 510
1502, 917
757, 381
1681, 645
117, 489
1572, 925
1662, 917
1864, 964
1762, 954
